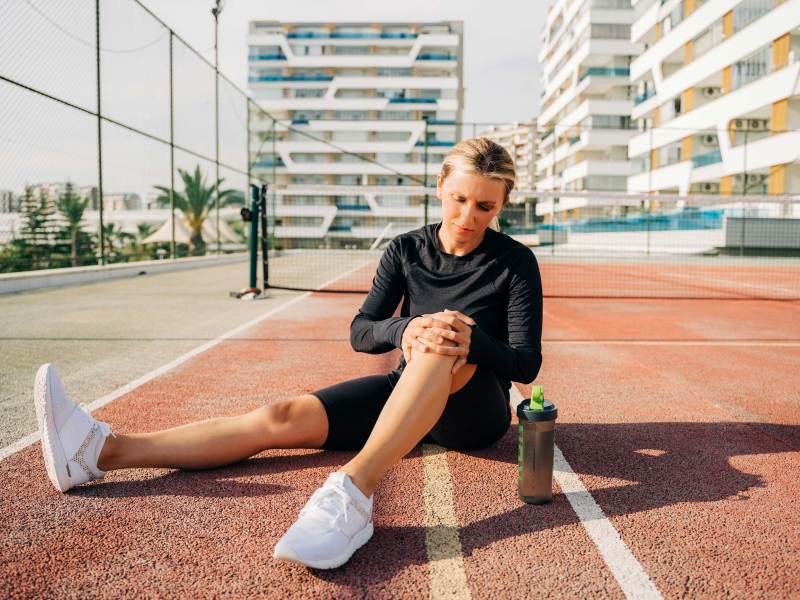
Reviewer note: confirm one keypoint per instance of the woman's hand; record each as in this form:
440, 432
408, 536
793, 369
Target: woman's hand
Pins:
447, 332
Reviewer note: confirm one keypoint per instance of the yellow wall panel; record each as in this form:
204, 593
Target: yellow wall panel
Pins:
780, 115
777, 179
725, 185
780, 51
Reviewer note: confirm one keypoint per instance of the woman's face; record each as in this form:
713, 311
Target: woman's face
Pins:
469, 203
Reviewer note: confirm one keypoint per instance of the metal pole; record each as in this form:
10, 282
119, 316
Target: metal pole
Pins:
649, 191
744, 193
264, 246
425, 177
172, 248
274, 181
215, 11
553, 197
254, 218
99, 137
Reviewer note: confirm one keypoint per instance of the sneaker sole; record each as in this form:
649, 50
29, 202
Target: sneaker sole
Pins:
55, 461
361, 538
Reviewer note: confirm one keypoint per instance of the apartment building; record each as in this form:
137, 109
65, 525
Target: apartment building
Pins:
585, 107
717, 96
520, 141
370, 89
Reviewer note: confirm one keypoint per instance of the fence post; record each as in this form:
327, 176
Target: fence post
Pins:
744, 193
172, 248
274, 181
99, 136
215, 12
425, 177
649, 193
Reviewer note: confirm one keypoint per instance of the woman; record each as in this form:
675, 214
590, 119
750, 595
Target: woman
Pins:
470, 323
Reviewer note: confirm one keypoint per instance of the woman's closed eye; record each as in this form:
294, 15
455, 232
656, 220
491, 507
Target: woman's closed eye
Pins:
483, 207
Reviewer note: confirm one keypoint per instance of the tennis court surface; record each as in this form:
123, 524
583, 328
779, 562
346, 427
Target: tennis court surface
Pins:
678, 432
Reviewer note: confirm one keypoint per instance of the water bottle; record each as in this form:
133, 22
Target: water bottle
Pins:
537, 422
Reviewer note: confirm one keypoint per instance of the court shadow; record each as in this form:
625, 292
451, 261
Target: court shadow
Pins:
654, 465
659, 465
215, 483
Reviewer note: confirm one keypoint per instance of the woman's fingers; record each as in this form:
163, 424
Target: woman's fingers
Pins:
439, 335
430, 346
460, 315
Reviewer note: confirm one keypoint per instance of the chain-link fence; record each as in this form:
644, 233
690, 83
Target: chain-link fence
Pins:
114, 132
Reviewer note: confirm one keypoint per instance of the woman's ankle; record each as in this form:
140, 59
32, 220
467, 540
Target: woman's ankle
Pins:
106, 460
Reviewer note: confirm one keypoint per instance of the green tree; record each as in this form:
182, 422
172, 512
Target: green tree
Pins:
32, 247
72, 208
196, 202
115, 239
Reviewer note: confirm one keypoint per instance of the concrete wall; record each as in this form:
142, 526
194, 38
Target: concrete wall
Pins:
762, 233
47, 278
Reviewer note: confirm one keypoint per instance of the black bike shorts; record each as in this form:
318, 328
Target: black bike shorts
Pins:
474, 417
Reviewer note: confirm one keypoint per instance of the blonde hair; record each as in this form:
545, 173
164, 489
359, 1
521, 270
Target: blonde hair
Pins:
482, 156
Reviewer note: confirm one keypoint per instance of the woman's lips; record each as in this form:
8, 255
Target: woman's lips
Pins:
463, 229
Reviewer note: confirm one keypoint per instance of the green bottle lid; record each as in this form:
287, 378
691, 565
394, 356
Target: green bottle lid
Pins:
537, 398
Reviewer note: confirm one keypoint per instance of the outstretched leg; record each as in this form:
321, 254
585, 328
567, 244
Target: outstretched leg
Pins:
297, 423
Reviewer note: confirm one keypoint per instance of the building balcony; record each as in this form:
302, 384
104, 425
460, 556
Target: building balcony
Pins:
439, 143
351, 36
644, 96
708, 158
413, 100
436, 57
605, 72
266, 57
258, 78
441, 122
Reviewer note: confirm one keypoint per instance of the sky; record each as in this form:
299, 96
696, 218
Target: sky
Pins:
49, 45
501, 40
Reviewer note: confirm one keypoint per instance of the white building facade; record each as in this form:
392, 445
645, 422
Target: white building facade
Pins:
520, 140
369, 89
584, 119
718, 96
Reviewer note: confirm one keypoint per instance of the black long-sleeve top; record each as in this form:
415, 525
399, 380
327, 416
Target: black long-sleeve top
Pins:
497, 284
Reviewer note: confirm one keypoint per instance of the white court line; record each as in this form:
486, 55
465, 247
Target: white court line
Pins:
745, 343
446, 575
628, 572
738, 284
121, 391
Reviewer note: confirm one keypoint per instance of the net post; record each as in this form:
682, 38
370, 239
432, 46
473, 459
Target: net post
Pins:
254, 217
262, 200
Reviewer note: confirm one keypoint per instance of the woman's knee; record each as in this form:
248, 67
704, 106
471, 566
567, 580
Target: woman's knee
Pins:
301, 419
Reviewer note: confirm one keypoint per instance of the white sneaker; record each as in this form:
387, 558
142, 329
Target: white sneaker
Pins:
71, 438
335, 522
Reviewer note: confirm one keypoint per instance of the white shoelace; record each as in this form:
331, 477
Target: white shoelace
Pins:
317, 503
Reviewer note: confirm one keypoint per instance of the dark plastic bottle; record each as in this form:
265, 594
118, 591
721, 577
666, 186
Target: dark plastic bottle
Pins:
537, 421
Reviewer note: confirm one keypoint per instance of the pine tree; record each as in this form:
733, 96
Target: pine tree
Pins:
78, 243
31, 249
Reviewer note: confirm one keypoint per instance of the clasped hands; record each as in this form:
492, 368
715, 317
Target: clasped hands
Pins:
447, 332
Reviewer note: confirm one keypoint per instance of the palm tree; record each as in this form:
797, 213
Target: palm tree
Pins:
114, 234
195, 202
72, 207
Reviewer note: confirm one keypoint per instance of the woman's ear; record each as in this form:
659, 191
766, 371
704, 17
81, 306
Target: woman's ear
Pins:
439, 186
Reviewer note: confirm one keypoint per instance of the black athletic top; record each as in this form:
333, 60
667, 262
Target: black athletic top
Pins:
497, 284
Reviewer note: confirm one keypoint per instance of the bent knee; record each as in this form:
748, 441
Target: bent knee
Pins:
462, 377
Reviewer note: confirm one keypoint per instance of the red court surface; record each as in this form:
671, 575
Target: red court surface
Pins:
680, 418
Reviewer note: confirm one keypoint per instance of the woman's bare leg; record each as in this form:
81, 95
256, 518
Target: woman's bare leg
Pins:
413, 408
297, 423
